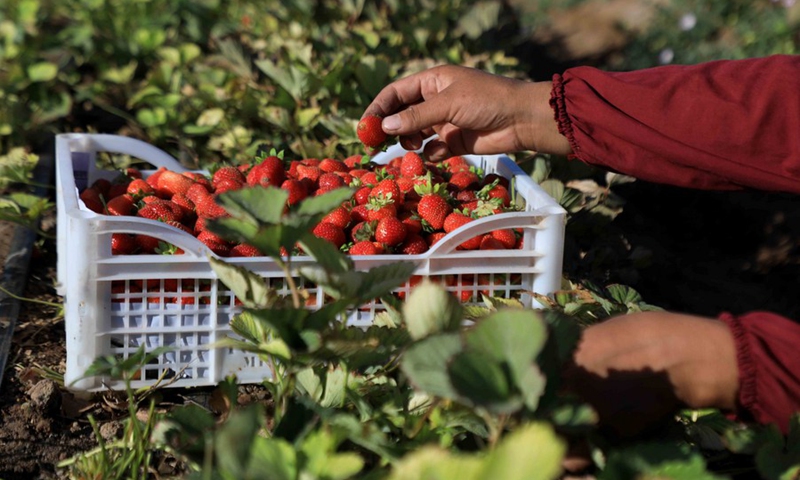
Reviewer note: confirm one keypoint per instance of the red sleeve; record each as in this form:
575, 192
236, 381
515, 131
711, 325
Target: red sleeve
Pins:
728, 124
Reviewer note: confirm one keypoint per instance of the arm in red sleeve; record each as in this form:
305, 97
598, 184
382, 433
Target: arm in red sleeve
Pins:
728, 124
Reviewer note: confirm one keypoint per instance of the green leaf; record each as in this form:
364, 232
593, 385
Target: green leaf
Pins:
152, 117
235, 440
233, 229
322, 460
431, 309
329, 259
325, 203
482, 17
255, 203
285, 323
120, 75
334, 388
480, 379
42, 71
656, 460
623, 294
380, 280
273, 459
305, 117
531, 452
425, 364
251, 289
211, 117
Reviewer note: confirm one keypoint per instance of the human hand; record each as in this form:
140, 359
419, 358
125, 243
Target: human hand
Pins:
472, 112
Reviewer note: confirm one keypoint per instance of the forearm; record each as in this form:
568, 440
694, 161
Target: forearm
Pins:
719, 125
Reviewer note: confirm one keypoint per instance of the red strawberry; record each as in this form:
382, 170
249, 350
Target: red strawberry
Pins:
330, 165
501, 192
354, 161
369, 131
170, 183
492, 177
391, 231
102, 186
116, 189
331, 233
157, 211
506, 236
387, 189
206, 236
133, 173
455, 220
186, 207
488, 242
140, 188
269, 172
433, 209
297, 191
339, 217
220, 249
311, 173
329, 181
228, 172
377, 210
411, 220
359, 213
152, 180
121, 205
208, 207
456, 164
434, 237
369, 178
199, 178
244, 250
364, 247
412, 165
197, 191
93, 201
122, 244
363, 231
227, 185
146, 243
362, 195
358, 172
414, 244
463, 180
181, 226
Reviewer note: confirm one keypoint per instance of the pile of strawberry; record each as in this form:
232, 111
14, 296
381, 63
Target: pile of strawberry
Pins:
402, 207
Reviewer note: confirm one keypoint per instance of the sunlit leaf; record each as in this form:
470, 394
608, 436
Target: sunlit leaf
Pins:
42, 71
431, 309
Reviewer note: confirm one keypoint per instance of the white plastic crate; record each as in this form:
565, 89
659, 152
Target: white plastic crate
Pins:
141, 309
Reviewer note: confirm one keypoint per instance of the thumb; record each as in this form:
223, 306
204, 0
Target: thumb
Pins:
418, 117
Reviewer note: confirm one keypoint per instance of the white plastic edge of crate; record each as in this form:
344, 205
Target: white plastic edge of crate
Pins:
78, 264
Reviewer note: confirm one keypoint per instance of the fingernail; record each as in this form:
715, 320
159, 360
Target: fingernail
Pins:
391, 123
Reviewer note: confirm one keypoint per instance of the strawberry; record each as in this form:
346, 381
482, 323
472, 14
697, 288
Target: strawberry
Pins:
208, 207
358, 172
102, 186
200, 178
330, 165
92, 199
152, 180
354, 161
146, 243
228, 172
387, 189
220, 249
227, 185
311, 173
197, 191
363, 231
157, 211
463, 180
488, 242
244, 250
411, 220
121, 205
207, 236
181, 226
369, 178
501, 192
377, 209
297, 191
329, 181
413, 244
268, 172
494, 177
369, 131
116, 189
140, 188
186, 207
456, 164
339, 217
412, 165
434, 237
133, 173
506, 236
170, 183
434, 209
359, 213
391, 231
122, 244
330, 232
455, 220
364, 247
362, 195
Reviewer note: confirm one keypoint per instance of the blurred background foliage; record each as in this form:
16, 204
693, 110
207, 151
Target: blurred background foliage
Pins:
211, 80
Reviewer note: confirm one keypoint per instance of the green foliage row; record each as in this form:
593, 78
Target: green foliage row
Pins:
210, 80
